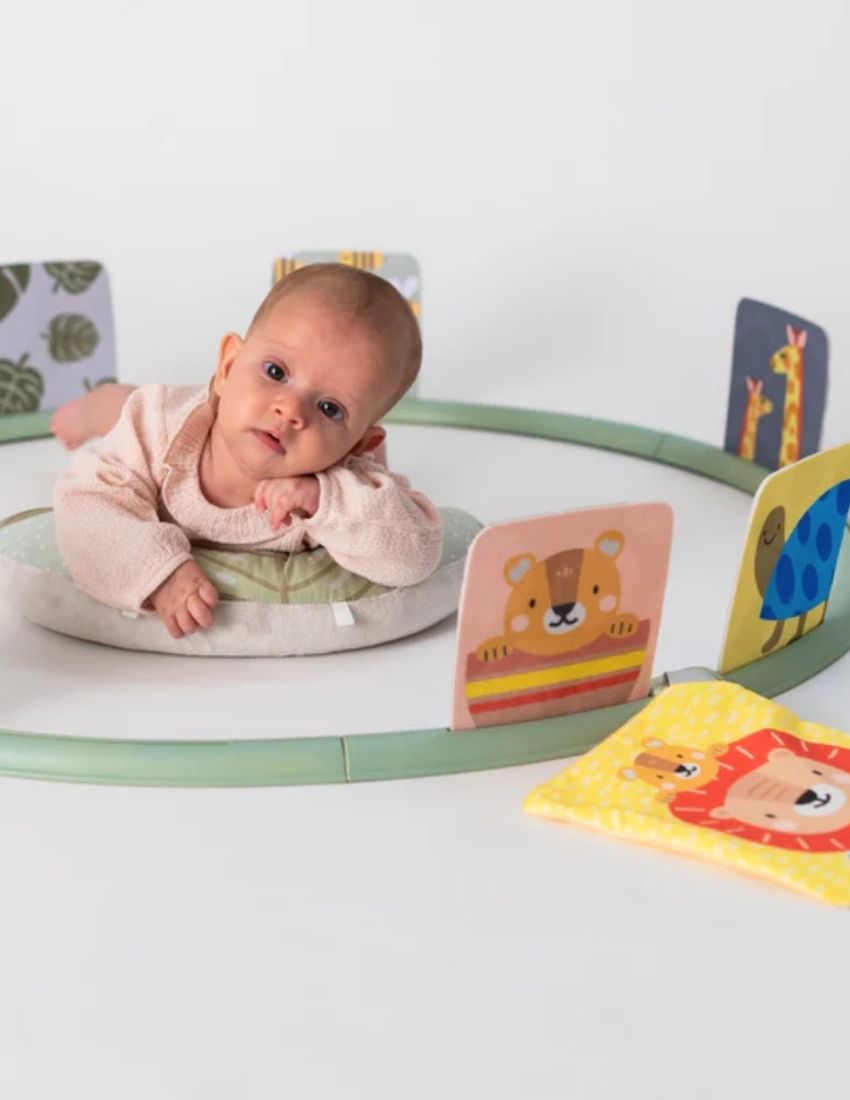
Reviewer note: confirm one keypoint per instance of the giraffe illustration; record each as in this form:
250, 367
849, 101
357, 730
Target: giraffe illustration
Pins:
757, 407
789, 361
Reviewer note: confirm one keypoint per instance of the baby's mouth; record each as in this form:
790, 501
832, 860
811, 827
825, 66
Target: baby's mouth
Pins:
270, 440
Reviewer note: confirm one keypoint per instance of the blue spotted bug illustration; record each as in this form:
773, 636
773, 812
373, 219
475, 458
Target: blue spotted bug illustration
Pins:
794, 574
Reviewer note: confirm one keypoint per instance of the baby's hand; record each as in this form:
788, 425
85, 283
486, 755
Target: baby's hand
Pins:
285, 497
185, 600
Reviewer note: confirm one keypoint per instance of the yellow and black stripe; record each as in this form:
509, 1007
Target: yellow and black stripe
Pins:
367, 261
284, 265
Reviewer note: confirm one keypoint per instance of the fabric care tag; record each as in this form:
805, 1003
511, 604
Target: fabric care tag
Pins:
343, 615
713, 771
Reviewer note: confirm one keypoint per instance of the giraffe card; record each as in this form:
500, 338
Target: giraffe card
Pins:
57, 337
715, 772
794, 539
777, 395
560, 614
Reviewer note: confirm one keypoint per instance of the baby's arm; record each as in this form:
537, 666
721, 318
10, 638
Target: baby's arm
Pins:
107, 526
374, 524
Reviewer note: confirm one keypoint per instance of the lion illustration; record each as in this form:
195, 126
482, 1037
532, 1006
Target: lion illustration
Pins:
778, 790
673, 768
563, 602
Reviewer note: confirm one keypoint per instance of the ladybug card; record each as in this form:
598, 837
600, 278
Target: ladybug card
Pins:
796, 533
57, 338
560, 614
777, 394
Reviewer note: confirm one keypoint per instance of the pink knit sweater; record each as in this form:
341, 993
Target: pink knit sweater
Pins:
127, 512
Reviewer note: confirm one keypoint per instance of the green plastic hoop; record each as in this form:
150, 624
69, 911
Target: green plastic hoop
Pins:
409, 753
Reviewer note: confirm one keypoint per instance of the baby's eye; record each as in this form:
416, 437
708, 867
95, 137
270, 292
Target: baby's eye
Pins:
274, 371
331, 410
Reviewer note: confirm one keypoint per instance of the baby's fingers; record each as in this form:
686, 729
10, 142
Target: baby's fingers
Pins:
171, 625
260, 497
280, 515
208, 593
199, 611
185, 619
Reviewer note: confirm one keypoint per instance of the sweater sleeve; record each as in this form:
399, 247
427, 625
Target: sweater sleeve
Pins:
374, 524
107, 525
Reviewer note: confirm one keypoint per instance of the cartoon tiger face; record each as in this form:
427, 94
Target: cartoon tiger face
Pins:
563, 602
673, 768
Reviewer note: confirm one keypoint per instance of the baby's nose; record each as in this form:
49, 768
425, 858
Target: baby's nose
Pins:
290, 407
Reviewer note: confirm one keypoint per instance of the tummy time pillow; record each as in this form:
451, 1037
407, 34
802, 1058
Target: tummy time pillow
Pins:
272, 604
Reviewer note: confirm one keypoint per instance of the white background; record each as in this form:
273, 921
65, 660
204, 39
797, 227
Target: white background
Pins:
589, 190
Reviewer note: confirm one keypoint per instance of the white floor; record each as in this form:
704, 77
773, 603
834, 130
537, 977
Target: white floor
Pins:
417, 938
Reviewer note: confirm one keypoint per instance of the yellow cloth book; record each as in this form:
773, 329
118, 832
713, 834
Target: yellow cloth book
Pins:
713, 771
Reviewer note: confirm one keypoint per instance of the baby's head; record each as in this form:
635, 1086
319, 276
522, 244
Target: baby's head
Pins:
330, 350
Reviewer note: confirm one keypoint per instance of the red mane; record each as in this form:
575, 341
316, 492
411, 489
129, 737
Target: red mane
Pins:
741, 757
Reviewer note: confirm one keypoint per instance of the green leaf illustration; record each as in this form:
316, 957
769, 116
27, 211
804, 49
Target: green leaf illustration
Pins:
73, 277
21, 387
272, 577
71, 337
14, 280
87, 382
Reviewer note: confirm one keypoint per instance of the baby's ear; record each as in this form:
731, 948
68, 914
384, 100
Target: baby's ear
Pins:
370, 442
230, 346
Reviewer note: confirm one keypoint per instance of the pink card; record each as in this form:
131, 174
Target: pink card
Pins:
560, 614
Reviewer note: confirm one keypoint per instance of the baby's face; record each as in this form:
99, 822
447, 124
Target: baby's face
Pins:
301, 391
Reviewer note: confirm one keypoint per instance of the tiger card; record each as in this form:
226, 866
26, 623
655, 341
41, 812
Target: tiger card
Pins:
560, 614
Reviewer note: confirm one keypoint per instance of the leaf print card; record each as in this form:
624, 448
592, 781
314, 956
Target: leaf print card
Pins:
796, 532
777, 394
560, 614
57, 336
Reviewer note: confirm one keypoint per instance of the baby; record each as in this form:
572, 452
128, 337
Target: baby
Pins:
276, 453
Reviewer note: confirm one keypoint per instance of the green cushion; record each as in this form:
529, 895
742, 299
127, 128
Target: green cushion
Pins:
300, 593
311, 576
